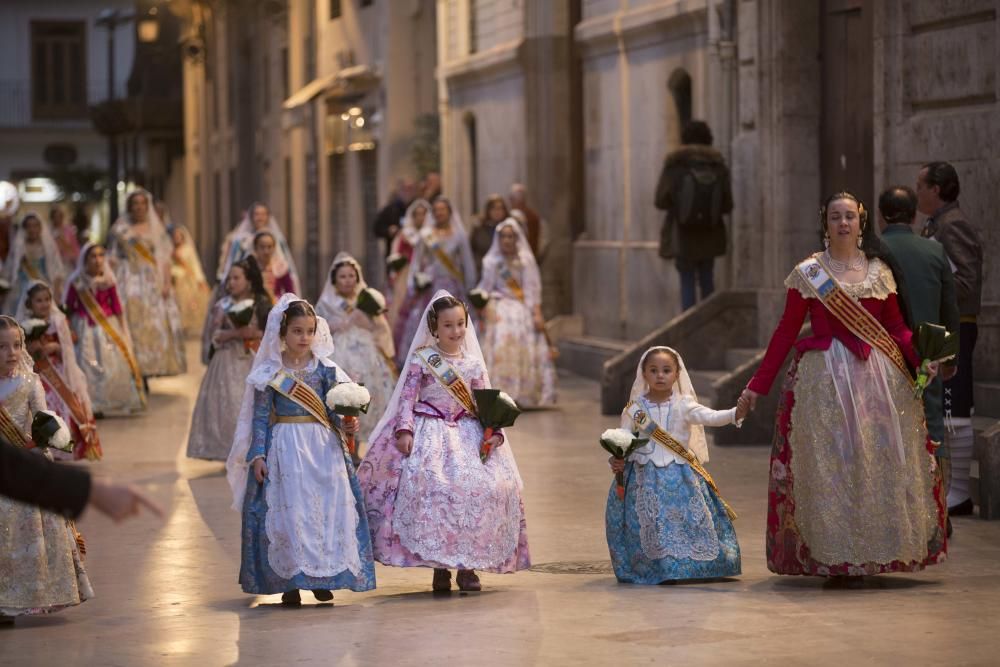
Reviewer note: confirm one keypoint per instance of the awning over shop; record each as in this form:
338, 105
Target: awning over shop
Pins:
347, 83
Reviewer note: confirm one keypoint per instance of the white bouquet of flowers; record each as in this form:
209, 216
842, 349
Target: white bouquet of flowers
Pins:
479, 298
240, 313
349, 399
49, 430
395, 262
34, 328
620, 444
422, 281
4, 286
371, 302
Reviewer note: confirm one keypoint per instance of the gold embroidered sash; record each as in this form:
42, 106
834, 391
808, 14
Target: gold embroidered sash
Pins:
850, 312
449, 378
30, 270
94, 311
302, 395
515, 287
50, 374
649, 428
447, 262
142, 252
12, 432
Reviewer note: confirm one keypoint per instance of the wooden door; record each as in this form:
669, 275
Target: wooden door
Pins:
847, 111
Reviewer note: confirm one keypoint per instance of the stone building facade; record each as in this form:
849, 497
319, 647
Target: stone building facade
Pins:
804, 98
309, 106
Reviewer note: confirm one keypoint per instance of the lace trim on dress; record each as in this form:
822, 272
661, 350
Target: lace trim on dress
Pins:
878, 284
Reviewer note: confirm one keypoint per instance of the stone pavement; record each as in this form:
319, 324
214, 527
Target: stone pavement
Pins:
167, 591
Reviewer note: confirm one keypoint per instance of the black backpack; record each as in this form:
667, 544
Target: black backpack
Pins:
697, 196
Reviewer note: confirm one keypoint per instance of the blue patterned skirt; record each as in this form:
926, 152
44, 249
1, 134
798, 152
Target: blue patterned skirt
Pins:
670, 526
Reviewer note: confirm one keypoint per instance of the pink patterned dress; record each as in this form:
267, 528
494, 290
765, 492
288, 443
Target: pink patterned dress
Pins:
441, 507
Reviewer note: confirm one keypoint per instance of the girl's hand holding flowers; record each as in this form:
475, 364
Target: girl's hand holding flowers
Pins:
617, 465
351, 426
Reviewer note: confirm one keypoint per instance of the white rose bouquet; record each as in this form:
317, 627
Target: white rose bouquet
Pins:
479, 298
34, 328
395, 262
422, 281
621, 444
371, 302
349, 399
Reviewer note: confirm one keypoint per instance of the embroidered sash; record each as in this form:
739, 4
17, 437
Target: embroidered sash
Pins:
850, 312
515, 287
142, 252
447, 262
30, 270
449, 378
649, 428
54, 379
94, 311
302, 395
12, 432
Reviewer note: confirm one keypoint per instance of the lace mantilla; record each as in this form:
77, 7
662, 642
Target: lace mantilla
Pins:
878, 284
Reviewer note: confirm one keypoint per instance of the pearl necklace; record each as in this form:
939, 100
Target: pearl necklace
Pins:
841, 267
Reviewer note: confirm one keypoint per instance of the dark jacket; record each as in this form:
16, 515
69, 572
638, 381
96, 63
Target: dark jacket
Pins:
388, 216
697, 243
961, 241
927, 289
31, 478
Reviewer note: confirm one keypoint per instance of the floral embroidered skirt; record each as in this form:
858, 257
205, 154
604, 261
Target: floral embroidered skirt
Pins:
441, 506
41, 569
517, 355
854, 489
670, 526
213, 422
305, 526
113, 391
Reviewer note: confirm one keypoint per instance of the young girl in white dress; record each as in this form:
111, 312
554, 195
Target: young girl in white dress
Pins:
41, 569
514, 344
363, 345
304, 524
431, 501
672, 524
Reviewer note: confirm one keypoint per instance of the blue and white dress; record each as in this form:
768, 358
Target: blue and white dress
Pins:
671, 524
305, 527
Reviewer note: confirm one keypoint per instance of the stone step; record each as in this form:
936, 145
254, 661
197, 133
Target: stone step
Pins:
737, 356
987, 396
585, 355
702, 381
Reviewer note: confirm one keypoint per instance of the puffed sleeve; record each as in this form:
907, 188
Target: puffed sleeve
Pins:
36, 400
72, 300
796, 307
408, 396
262, 402
115, 302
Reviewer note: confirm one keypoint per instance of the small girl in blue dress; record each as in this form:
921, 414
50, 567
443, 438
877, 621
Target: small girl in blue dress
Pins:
304, 523
672, 524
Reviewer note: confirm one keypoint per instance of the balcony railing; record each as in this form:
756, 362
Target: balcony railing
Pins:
19, 109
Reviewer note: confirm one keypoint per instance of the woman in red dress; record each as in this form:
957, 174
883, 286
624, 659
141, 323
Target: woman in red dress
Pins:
853, 485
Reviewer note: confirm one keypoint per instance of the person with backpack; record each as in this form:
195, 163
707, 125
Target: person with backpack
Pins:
694, 189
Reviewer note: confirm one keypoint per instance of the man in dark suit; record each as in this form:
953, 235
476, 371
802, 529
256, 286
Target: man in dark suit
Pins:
928, 292
27, 477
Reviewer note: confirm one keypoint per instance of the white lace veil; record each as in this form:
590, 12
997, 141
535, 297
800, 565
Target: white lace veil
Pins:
459, 236
408, 230
75, 378
423, 338
242, 237
697, 442
329, 300
107, 277
54, 266
531, 281
266, 363
162, 244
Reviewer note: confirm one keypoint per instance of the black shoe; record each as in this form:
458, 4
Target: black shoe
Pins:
964, 508
322, 595
292, 598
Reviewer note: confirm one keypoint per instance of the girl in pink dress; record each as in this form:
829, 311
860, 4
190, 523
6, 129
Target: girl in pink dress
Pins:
431, 502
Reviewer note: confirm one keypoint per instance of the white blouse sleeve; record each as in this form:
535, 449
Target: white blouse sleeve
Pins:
699, 414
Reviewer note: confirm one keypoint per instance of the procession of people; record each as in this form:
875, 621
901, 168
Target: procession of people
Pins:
354, 429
